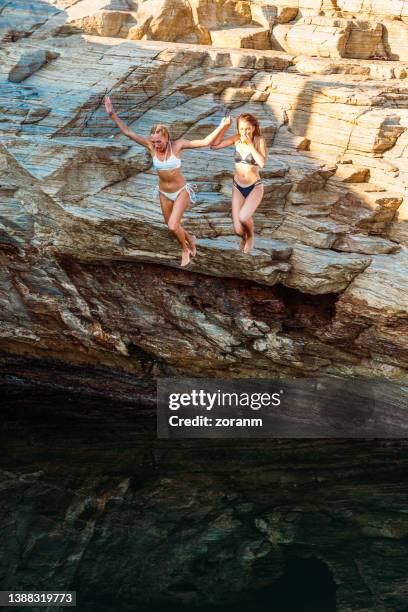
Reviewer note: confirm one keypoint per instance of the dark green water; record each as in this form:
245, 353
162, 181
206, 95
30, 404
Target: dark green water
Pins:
83, 449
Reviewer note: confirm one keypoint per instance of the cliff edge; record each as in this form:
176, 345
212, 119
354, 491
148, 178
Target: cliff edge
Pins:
89, 271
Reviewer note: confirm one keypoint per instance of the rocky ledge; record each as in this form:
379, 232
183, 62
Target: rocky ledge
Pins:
90, 274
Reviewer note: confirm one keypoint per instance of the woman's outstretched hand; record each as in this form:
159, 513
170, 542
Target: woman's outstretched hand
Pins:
108, 105
226, 121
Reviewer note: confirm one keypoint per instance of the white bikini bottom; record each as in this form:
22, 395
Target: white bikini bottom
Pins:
191, 189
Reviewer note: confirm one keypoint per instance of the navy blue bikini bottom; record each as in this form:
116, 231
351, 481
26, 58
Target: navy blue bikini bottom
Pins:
246, 190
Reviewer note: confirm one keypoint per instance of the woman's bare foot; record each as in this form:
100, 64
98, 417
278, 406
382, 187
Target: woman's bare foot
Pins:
192, 243
249, 244
242, 243
185, 258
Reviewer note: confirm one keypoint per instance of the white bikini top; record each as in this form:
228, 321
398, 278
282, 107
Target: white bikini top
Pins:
171, 163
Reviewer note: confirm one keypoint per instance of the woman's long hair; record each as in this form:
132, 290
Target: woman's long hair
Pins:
159, 128
252, 120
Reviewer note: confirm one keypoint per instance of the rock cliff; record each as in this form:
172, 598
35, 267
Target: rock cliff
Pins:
93, 301
89, 271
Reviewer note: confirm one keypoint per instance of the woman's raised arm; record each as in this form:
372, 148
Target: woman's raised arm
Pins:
228, 142
208, 140
123, 127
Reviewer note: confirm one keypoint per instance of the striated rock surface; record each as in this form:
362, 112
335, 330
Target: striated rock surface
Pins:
29, 63
323, 28
89, 270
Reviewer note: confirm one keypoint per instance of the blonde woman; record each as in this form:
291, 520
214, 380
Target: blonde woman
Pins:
247, 190
174, 192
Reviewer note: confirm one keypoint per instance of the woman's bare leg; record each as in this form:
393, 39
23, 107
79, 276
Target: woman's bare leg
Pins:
191, 239
167, 208
174, 225
245, 215
237, 202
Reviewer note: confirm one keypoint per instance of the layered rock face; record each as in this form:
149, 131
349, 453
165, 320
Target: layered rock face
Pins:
89, 270
324, 28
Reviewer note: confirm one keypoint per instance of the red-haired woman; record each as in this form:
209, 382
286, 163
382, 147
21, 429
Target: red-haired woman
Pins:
247, 191
174, 192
